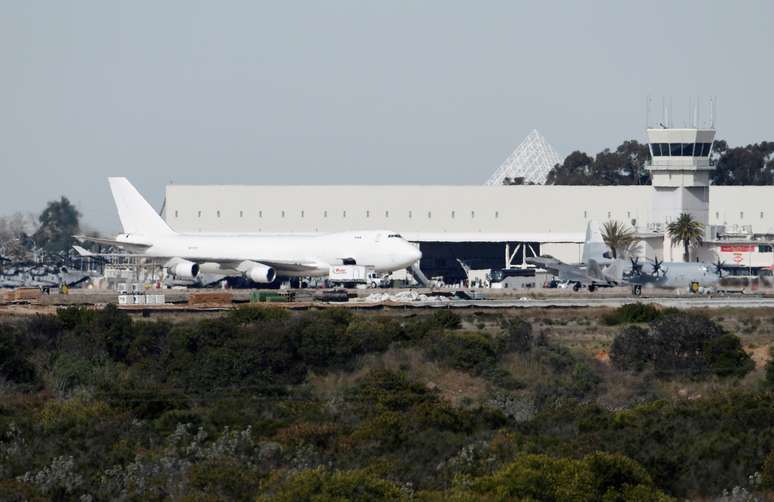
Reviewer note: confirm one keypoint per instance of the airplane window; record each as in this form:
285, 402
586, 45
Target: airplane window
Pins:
241, 213
302, 213
176, 214
283, 213
344, 214
472, 214
260, 214
675, 149
497, 214
429, 214
217, 213
199, 214
325, 214
368, 213
386, 214
409, 214
452, 214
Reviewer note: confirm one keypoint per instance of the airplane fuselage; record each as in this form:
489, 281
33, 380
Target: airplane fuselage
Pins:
384, 250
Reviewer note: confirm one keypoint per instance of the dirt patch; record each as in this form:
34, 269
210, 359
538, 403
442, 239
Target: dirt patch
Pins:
759, 354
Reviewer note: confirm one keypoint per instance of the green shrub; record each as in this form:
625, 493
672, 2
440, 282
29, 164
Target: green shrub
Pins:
13, 363
517, 335
767, 472
679, 342
599, 476
322, 485
633, 312
769, 379
462, 350
249, 313
446, 319
726, 357
632, 349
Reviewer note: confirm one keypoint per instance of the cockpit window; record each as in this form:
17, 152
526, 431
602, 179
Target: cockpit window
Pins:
394, 236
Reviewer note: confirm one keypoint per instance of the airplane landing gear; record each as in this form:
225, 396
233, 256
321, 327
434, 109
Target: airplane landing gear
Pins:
592, 288
576, 287
636, 290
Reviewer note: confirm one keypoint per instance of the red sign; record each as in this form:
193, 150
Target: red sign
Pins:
737, 249
738, 258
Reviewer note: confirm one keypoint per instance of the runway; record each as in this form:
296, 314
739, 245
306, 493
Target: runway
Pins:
688, 302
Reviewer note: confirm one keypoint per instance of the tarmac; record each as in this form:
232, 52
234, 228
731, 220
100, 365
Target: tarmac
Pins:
411, 299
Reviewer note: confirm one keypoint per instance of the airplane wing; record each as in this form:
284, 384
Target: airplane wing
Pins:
133, 246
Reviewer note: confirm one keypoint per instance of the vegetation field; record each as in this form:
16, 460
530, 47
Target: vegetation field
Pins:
637, 403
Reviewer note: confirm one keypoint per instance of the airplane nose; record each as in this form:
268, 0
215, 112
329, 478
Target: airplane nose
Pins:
415, 254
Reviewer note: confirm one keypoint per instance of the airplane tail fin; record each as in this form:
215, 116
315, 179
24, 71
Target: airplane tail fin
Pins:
136, 215
594, 247
614, 271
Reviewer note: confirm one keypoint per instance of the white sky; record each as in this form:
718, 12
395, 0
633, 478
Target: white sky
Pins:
388, 92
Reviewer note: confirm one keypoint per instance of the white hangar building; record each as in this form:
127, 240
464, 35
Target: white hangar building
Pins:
497, 226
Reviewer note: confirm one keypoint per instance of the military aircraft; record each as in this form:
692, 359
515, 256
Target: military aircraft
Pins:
598, 270
672, 275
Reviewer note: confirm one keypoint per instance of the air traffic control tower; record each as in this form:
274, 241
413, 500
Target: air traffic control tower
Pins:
680, 170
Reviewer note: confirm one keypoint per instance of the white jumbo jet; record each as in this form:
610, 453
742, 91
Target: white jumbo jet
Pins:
260, 258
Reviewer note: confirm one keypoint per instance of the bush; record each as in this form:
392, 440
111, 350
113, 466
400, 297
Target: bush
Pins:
517, 336
633, 312
446, 319
13, 363
322, 485
769, 380
632, 349
679, 342
726, 358
246, 314
599, 476
464, 351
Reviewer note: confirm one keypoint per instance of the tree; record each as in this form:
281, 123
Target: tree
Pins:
617, 236
575, 170
58, 223
635, 155
745, 165
686, 230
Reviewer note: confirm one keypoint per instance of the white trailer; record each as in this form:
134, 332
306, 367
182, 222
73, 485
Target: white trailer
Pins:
352, 275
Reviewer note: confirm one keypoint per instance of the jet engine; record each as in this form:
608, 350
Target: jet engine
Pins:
260, 273
185, 270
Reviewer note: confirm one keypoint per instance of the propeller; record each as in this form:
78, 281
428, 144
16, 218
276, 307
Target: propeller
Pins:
636, 265
719, 267
657, 266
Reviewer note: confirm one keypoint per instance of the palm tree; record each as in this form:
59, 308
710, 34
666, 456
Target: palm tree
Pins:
617, 236
686, 230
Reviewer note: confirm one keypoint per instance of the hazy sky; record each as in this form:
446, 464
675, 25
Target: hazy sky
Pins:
329, 92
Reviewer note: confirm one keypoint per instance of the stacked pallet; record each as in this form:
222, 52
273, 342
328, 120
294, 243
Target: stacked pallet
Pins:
23, 295
210, 298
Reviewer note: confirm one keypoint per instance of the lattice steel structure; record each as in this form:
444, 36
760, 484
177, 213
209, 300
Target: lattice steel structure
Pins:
532, 160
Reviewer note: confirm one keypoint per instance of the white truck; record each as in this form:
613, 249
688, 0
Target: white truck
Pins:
349, 276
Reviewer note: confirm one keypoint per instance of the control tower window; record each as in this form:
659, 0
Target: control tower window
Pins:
656, 149
687, 149
675, 149
705, 149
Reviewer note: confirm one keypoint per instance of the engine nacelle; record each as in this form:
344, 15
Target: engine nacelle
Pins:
260, 273
185, 270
